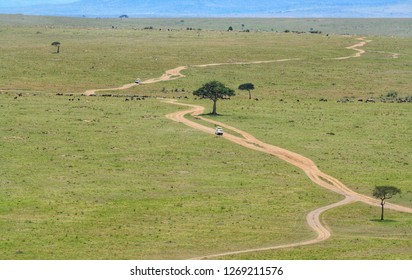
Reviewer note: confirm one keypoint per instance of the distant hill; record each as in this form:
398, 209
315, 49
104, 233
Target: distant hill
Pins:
218, 8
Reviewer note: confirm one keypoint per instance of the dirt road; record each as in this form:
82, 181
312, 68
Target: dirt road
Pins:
356, 47
176, 73
249, 141
307, 165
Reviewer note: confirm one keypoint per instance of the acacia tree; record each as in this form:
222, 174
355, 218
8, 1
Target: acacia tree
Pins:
214, 91
57, 45
383, 193
248, 87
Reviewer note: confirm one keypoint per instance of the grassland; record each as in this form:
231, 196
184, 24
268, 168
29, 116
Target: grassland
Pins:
102, 178
354, 26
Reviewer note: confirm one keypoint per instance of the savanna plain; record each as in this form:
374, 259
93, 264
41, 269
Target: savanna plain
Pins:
110, 177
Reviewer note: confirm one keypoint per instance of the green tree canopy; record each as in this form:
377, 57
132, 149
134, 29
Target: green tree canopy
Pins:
248, 87
383, 193
214, 91
57, 45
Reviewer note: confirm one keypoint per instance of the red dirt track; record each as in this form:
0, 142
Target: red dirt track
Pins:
307, 165
249, 141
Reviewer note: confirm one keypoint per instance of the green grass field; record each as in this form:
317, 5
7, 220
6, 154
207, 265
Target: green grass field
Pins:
400, 27
102, 178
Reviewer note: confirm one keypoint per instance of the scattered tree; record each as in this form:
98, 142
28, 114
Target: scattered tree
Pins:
124, 16
248, 87
383, 193
57, 45
214, 91
230, 28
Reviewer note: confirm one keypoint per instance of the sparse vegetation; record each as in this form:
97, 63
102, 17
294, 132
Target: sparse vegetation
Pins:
81, 175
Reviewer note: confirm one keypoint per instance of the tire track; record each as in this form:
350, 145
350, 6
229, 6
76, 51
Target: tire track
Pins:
176, 73
249, 141
356, 47
304, 163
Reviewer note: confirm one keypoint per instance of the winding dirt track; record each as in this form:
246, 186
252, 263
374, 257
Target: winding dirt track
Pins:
356, 47
176, 73
249, 141
307, 165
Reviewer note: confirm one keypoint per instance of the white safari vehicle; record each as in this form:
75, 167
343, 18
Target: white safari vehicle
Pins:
219, 131
137, 81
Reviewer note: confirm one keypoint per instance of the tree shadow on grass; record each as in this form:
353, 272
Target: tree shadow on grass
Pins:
212, 115
384, 221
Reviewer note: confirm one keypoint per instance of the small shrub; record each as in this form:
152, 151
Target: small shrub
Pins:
392, 94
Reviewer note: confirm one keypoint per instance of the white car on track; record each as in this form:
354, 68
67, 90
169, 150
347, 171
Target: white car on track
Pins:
219, 131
